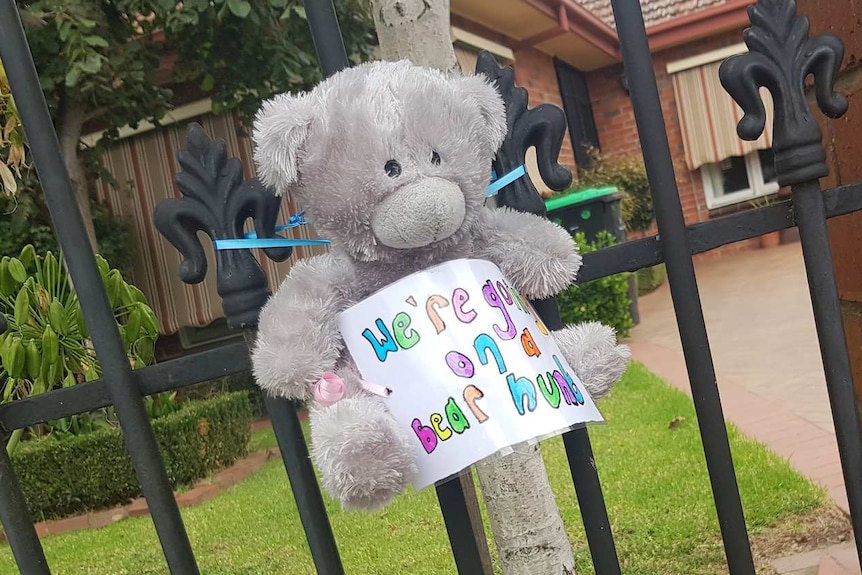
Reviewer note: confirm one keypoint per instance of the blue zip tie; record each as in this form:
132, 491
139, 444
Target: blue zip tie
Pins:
295, 220
251, 243
498, 185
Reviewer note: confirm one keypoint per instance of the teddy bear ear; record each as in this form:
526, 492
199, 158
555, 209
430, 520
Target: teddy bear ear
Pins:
281, 127
491, 106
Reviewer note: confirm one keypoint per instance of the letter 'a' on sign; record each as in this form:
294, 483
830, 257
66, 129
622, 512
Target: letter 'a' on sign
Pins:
472, 373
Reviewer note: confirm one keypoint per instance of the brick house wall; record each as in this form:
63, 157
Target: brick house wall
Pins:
616, 123
534, 70
614, 116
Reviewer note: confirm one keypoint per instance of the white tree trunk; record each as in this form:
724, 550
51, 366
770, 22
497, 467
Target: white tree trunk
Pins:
415, 30
525, 519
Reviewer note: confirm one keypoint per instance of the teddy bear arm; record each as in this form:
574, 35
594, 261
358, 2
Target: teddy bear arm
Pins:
591, 349
298, 337
538, 256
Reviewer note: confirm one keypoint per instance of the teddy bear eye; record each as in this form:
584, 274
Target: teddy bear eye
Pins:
393, 168
435, 158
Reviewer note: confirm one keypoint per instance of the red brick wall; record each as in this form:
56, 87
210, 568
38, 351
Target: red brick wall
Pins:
534, 70
616, 124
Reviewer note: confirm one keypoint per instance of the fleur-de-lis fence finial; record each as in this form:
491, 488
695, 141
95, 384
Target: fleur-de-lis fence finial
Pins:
217, 201
780, 59
542, 127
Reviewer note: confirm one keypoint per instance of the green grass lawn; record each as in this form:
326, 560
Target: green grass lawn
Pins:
654, 480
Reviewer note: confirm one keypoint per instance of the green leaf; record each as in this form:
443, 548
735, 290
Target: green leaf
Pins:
239, 8
33, 360
72, 76
22, 308
7, 284
149, 321
17, 270
133, 327
15, 360
96, 41
78, 316
104, 267
92, 64
114, 284
57, 317
50, 347
207, 83
28, 255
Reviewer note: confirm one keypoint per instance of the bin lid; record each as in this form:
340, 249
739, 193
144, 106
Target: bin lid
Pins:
578, 197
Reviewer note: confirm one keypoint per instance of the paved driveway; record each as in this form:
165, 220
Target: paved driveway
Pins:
761, 330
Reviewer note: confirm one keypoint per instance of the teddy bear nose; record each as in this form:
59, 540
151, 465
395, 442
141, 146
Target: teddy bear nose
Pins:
419, 213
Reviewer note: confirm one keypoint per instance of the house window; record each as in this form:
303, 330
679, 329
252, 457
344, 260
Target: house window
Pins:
739, 178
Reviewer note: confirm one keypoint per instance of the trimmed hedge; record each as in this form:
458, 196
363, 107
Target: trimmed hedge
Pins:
92, 471
605, 300
650, 279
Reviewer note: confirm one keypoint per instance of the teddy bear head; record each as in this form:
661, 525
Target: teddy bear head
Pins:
386, 157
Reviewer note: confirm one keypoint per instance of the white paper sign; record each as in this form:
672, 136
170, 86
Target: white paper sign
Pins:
471, 367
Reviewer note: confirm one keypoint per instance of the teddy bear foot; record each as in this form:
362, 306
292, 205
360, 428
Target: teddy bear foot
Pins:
592, 351
363, 458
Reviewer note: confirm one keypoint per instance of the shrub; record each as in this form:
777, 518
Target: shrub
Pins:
92, 471
47, 345
629, 176
604, 300
242, 381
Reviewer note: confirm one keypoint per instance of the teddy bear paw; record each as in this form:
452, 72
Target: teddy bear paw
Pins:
363, 458
595, 356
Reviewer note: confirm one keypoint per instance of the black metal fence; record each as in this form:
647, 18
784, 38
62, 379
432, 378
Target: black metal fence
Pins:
780, 59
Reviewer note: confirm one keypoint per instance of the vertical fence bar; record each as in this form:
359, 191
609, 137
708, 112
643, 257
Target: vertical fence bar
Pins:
683, 283
781, 58
303, 484
69, 228
811, 219
470, 558
17, 523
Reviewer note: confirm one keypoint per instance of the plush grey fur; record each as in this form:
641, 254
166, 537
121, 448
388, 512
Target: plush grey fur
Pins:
330, 148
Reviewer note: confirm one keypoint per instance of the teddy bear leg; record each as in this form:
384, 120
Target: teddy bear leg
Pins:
592, 351
363, 458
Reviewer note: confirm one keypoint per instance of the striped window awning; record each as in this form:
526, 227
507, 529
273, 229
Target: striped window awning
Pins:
708, 116
145, 167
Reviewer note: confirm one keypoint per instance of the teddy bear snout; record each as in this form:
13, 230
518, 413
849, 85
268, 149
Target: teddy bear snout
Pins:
419, 213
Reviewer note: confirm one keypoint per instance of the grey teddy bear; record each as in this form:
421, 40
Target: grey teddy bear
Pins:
391, 162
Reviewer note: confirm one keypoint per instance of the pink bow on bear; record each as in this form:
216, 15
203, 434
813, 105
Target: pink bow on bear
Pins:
330, 388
